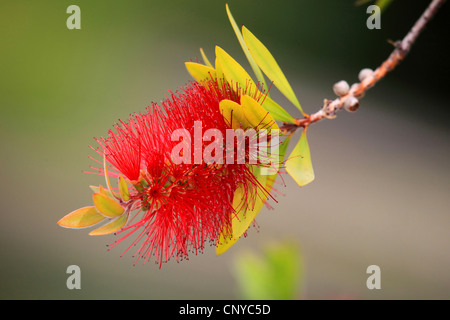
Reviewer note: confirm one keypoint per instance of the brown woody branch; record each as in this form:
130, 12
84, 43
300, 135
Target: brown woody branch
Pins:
349, 100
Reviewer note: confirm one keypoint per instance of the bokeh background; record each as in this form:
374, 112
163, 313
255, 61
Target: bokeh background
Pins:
381, 194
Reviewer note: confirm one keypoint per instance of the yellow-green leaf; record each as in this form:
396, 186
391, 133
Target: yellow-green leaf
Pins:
276, 111
224, 242
269, 66
200, 72
108, 184
123, 189
100, 189
81, 218
234, 74
107, 206
245, 214
299, 165
256, 115
250, 59
205, 59
112, 226
233, 114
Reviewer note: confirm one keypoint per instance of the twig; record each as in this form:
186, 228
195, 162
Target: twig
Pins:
348, 98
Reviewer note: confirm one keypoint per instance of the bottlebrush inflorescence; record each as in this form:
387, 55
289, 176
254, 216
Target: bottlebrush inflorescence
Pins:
174, 193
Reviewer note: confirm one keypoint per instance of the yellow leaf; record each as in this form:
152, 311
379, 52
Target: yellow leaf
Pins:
234, 74
256, 114
112, 226
107, 206
81, 218
245, 213
200, 72
225, 242
270, 67
233, 114
123, 189
299, 165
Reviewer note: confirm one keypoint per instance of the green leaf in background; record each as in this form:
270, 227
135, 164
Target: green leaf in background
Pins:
270, 67
250, 59
275, 275
299, 165
383, 4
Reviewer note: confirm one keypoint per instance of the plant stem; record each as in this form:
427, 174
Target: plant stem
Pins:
330, 107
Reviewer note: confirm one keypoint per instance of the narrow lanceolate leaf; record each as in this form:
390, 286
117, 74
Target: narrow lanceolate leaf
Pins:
200, 72
107, 206
269, 66
299, 165
81, 218
113, 226
235, 73
205, 58
256, 114
108, 184
123, 189
250, 59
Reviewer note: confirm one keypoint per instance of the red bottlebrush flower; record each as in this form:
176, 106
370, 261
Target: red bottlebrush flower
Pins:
175, 192
180, 206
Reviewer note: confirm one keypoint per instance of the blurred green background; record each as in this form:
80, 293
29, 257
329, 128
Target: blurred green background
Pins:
382, 176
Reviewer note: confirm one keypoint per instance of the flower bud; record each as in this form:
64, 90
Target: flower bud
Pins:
341, 88
353, 89
351, 104
364, 73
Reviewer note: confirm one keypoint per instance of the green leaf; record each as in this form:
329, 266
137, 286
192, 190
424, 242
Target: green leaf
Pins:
123, 189
269, 66
81, 218
205, 58
277, 112
200, 72
383, 4
275, 275
299, 165
235, 73
250, 59
112, 226
107, 206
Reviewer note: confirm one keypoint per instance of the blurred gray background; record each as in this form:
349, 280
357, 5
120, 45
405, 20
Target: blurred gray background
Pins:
381, 194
